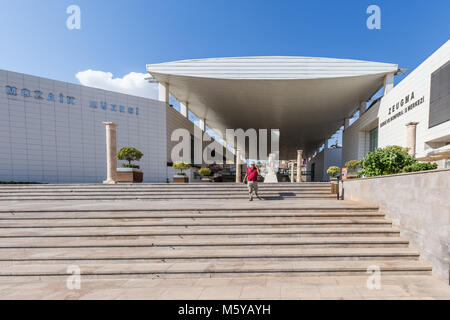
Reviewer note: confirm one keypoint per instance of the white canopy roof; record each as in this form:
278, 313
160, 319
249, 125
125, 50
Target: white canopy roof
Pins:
306, 98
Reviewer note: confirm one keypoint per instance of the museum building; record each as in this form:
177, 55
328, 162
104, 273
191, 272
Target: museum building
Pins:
53, 131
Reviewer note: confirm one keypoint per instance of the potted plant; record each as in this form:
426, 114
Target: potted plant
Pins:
352, 165
205, 173
181, 176
129, 172
333, 171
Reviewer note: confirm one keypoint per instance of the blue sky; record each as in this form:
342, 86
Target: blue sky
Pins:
121, 37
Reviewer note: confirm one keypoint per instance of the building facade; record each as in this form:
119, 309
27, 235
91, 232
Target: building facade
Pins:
422, 100
318, 166
52, 131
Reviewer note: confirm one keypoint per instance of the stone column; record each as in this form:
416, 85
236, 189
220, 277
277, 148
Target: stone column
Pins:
346, 123
202, 124
411, 137
238, 165
388, 83
184, 109
163, 92
292, 165
111, 153
362, 108
299, 165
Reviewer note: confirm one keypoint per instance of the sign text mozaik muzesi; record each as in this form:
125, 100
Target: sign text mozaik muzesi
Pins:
40, 95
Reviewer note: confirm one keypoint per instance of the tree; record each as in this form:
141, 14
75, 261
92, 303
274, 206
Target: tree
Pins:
129, 154
204, 172
333, 171
352, 164
180, 165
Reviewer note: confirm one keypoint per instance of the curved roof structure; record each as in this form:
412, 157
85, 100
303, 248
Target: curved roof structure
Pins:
306, 98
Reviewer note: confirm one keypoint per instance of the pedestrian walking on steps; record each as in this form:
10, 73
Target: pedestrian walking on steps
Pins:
252, 180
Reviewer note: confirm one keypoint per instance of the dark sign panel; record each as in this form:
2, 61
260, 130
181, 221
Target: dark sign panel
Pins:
440, 96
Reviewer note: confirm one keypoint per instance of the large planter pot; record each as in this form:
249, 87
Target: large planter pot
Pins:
180, 179
130, 175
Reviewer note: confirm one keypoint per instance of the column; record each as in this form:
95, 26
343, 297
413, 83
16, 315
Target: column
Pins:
362, 108
184, 109
111, 153
346, 123
238, 165
292, 165
388, 83
411, 137
163, 92
202, 123
299, 165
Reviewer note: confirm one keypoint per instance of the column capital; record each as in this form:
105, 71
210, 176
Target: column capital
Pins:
409, 124
111, 124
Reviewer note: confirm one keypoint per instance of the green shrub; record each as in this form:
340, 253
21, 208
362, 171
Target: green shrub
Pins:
389, 160
333, 171
127, 165
420, 166
352, 164
204, 172
180, 165
129, 154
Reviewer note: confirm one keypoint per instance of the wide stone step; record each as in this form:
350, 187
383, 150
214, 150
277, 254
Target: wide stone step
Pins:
160, 190
164, 195
123, 186
174, 215
113, 255
208, 269
157, 194
197, 231
216, 222
216, 242
243, 195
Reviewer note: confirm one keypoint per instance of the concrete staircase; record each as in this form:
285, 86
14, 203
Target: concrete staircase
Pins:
317, 236
162, 191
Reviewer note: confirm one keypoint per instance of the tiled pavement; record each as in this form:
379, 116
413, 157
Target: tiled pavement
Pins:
270, 288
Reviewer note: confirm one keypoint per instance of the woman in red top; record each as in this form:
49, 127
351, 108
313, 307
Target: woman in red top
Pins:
252, 181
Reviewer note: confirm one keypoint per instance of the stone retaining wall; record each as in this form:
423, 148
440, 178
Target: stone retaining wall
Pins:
419, 204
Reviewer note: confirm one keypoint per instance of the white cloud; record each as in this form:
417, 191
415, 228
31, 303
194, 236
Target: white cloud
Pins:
133, 83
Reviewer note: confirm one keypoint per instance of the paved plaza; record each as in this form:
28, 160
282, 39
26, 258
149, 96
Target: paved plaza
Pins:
270, 288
